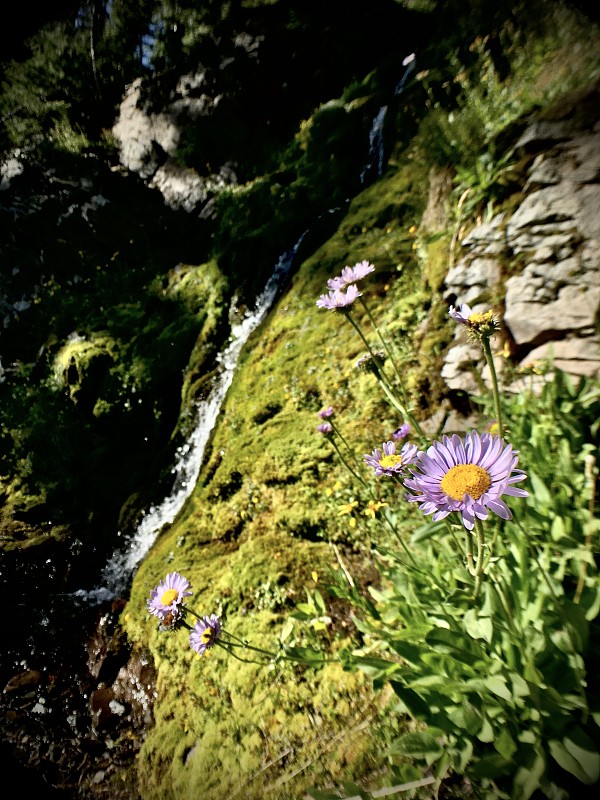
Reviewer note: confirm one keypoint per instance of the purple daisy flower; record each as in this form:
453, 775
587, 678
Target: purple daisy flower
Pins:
481, 324
166, 598
338, 300
461, 314
401, 432
387, 461
351, 275
469, 477
205, 633
326, 428
326, 412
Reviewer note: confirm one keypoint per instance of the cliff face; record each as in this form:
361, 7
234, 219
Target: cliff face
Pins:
551, 235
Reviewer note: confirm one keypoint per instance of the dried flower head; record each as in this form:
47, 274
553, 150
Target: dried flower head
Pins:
371, 362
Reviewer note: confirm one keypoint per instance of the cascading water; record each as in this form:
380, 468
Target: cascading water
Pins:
375, 161
118, 571
44, 628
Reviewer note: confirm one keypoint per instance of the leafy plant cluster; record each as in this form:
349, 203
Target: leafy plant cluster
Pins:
500, 684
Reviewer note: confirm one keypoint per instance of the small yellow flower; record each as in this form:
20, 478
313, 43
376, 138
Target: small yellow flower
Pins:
347, 508
412, 229
372, 508
315, 576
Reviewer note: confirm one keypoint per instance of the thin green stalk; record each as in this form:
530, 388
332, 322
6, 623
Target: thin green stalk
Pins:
479, 565
590, 479
384, 383
385, 345
242, 643
469, 553
349, 468
338, 432
487, 351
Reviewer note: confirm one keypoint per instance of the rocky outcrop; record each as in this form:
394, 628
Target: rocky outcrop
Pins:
148, 143
550, 307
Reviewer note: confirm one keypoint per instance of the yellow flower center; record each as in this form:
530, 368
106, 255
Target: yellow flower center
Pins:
480, 319
393, 460
208, 635
466, 479
169, 596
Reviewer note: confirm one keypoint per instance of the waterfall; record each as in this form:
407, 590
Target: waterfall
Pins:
375, 160
117, 573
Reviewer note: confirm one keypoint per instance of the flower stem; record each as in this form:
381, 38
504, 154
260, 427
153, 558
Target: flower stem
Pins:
479, 566
384, 383
387, 349
338, 432
489, 358
347, 465
590, 479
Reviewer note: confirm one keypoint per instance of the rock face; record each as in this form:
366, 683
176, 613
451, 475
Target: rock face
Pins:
551, 307
148, 143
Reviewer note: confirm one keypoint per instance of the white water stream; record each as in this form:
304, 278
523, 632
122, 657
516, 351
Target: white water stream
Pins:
119, 569
121, 566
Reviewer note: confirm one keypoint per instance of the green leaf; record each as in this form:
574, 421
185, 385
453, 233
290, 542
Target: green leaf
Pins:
305, 655
540, 490
427, 531
578, 755
320, 794
320, 603
575, 615
467, 717
486, 732
478, 627
505, 744
286, 630
417, 745
414, 703
492, 765
527, 779
408, 651
497, 685
305, 608
458, 644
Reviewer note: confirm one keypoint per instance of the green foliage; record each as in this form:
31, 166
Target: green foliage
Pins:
501, 689
542, 58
